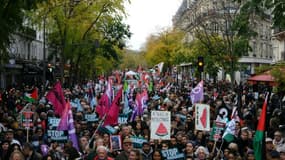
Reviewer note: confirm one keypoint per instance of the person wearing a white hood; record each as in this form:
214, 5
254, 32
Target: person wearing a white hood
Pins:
278, 140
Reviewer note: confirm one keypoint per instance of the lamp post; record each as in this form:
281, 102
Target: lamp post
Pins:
44, 54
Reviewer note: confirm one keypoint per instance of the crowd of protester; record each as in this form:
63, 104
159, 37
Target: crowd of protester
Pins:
34, 143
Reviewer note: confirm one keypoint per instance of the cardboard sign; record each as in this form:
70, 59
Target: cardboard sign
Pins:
202, 117
171, 154
27, 119
91, 117
160, 125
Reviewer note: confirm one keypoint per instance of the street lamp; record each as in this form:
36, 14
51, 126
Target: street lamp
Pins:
44, 54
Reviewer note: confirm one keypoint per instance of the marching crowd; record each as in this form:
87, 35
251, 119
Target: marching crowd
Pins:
130, 138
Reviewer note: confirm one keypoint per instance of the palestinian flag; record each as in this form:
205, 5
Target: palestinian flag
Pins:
31, 97
258, 141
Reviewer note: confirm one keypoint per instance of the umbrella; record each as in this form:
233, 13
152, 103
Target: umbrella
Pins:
131, 73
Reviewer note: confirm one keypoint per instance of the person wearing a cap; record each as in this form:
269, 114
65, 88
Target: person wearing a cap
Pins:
269, 147
127, 147
9, 135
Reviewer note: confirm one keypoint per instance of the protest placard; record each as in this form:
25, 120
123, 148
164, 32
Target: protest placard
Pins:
54, 134
160, 125
171, 154
138, 141
202, 117
91, 117
27, 120
115, 141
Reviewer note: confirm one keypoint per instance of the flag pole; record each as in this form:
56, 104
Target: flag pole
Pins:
96, 130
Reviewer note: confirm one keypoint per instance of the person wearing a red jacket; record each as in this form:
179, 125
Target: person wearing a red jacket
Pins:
102, 153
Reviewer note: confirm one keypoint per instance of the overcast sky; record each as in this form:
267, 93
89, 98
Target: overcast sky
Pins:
147, 17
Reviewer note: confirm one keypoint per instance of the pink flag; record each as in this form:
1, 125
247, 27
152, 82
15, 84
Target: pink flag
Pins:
56, 97
113, 114
63, 123
141, 99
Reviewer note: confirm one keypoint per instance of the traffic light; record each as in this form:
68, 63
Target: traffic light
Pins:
200, 64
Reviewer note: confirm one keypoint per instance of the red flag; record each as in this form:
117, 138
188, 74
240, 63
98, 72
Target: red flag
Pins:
56, 97
113, 114
105, 101
35, 94
258, 141
102, 106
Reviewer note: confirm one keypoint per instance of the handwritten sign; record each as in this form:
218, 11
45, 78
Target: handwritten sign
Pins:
160, 125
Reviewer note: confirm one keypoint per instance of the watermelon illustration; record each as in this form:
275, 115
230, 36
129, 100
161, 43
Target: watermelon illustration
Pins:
161, 130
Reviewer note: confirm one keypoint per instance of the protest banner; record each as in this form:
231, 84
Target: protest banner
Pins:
91, 117
59, 136
171, 154
202, 117
54, 134
160, 125
123, 119
138, 141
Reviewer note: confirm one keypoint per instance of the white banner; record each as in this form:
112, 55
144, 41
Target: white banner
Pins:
202, 117
160, 125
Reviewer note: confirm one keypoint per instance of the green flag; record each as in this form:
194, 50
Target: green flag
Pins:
258, 141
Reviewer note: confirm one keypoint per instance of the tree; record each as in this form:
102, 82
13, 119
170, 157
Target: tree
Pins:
222, 31
165, 47
132, 59
275, 8
12, 15
83, 30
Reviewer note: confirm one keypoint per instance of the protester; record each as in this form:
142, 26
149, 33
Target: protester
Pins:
131, 123
102, 153
17, 155
30, 153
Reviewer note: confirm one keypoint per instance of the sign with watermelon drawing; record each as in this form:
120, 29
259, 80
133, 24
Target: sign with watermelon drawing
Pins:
160, 125
202, 117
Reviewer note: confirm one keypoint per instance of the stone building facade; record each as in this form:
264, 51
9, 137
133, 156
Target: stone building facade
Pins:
217, 16
25, 64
